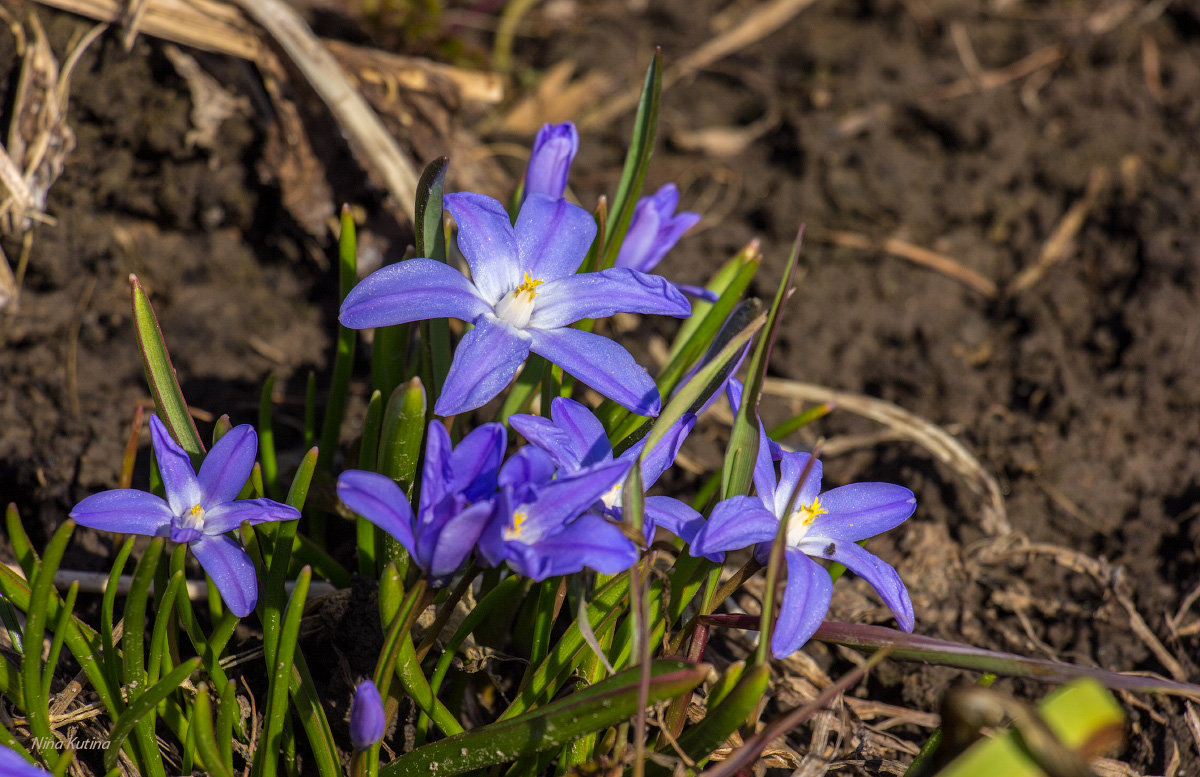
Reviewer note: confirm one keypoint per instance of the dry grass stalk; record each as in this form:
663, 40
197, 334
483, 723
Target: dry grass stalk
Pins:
1058, 245
915, 254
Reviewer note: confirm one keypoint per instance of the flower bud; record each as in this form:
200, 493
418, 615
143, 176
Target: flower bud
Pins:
553, 150
367, 719
654, 229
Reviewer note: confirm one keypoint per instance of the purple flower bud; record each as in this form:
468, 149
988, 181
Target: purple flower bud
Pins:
367, 720
553, 150
654, 229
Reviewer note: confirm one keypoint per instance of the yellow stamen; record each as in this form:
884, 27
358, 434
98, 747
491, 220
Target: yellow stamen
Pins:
528, 287
196, 511
514, 533
809, 513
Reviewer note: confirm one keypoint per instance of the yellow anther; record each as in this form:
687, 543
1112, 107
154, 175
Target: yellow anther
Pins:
809, 513
528, 287
514, 533
196, 511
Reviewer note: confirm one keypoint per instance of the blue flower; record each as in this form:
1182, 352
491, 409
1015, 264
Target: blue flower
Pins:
457, 489
199, 509
654, 230
542, 526
825, 525
367, 719
523, 296
553, 150
575, 440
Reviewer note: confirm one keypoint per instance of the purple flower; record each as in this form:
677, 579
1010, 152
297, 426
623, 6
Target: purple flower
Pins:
199, 509
367, 720
553, 150
826, 525
523, 296
575, 440
542, 526
457, 489
655, 229
12, 764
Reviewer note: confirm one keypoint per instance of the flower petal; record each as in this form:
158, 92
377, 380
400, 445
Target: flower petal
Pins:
654, 229
663, 455
862, 510
529, 466
669, 513
231, 571
412, 290
436, 472
124, 510
583, 429
553, 237
764, 468
601, 294
476, 459
485, 361
563, 499
487, 241
881, 575
737, 522
804, 605
590, 541
549, 437
378, 499
367, 718
550, 160
446, 550
179, 479
600, 363
229, 515
227, 466
791, 467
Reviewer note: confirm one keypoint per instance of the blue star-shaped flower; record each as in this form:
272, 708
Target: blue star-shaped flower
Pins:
199, 509
825, 525
523, 296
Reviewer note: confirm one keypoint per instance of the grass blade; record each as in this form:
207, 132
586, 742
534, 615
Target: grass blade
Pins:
343, 358
142, 706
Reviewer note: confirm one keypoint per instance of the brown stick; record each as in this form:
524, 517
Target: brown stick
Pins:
915, 254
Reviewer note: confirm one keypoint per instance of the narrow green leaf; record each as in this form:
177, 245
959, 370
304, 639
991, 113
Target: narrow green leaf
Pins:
160, 375
107, 605
36, 615
343, 358
65, 613
637, 160
162, 622
133, 653
227, 713
280, 674
266, 439
738, 471
307, 707
570, 649
310, 410
431, 244
19, 540
592, 709
80, 639
729, 282
205, 737
143, 705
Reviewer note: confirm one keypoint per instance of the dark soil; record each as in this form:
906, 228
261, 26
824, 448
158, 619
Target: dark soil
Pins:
1079, 391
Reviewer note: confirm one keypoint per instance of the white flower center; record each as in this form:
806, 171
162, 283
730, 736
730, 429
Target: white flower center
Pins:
611, 496
516, 306
801, 520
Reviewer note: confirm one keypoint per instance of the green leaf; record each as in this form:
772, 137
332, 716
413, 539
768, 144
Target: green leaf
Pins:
19, 540
133, 653
431, 244
160, 375
604, 704
637, 160
280, 675
743, 441
1083, 716
206, 740
343, 358
266, 439
36, 615
143, 705
402, 433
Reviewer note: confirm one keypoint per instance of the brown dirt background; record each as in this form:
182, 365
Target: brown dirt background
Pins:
885, 119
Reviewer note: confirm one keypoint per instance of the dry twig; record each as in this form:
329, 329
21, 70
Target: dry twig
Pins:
947, 266
1058, 244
